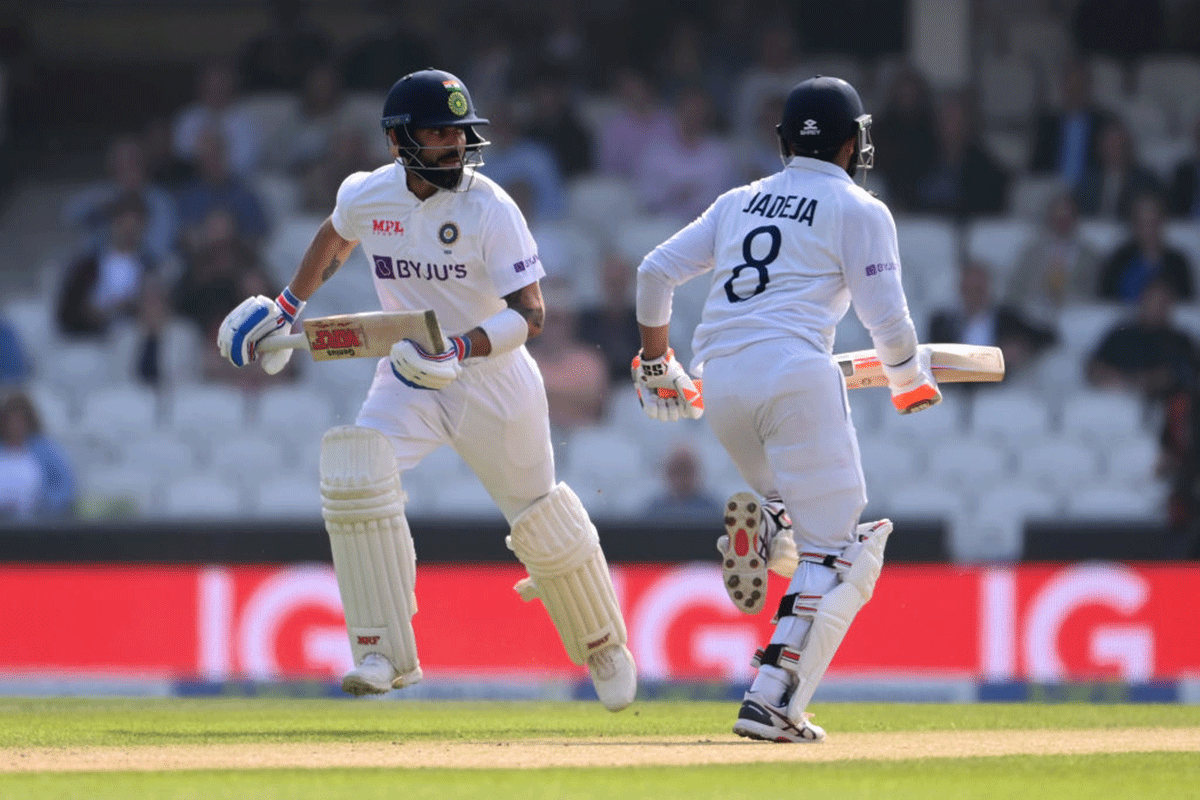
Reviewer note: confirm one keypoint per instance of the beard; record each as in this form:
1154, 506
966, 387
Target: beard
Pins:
442, 177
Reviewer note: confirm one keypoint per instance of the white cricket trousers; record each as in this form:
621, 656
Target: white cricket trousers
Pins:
494, 416
779, 407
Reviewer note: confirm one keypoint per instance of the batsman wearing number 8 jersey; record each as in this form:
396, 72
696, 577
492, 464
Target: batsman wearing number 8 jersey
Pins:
788, 255
441, 236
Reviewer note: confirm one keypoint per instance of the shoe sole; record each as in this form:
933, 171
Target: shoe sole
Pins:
743, 568
359, 687
769, 733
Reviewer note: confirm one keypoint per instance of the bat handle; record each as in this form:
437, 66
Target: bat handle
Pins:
297, 341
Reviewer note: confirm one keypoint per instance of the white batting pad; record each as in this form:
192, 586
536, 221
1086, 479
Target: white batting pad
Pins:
372, 548
560, 548
859, 567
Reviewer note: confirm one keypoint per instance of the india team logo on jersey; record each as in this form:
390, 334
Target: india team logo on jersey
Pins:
448, 233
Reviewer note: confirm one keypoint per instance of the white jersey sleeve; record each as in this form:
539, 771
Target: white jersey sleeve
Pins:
871, 261
341, 219
509, 252
690, 252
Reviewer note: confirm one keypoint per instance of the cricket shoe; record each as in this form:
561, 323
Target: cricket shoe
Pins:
614, 675
758, 537
376, 675
760, 720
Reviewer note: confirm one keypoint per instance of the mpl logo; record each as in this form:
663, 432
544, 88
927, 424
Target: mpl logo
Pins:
387, 227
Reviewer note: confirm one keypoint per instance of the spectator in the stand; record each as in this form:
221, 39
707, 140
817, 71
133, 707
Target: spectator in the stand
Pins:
611, 325
399, 43
977, 319
1057, 267
1123, 29
1179, 464
149, 341
905, 137
1146, 353
215, 107
686, 60
164, 166
757, 151
216, 185
965, 180
641, 118
126, 164
1146, 255
575, 374
776, 70
15, 364
36, 479
684, 173
1065, 141
684, 497
1110, 186
317, 116
1184, 196
555, 122
279, 57
348, 151
104, 283
218, 269
513, 157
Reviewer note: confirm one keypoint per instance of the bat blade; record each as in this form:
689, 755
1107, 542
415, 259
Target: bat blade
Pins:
951, 363
369, 334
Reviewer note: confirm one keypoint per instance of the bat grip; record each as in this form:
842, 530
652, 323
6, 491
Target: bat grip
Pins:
297, 341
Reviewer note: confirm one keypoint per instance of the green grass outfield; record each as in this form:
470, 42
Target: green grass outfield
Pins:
70, 727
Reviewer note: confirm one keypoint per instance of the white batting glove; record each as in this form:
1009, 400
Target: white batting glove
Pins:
415, 367
664, 388
253, 320
912, 383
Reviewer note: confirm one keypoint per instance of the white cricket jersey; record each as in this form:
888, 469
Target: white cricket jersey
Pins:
788, 254
458, 253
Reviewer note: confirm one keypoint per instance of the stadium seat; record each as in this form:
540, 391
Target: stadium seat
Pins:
602, 204
925, 501
118, 491
637, 237
1009, 415
1169, 78
1112, 502
1108, 82
886, 461
294, 412
974, 538
1058, 464
114, 411
53, 404
32, 319
601, 459
929, 257
967, 463
289, 495
267, 111
1147, 116
159, 453
1007, 92
998, 242
1101, 416
571, 257
944, 421
1104, 235
79, 367
1031, 194
290, 237
249, 457
202, 495
1133, 461
1081, 326
203, 409
1017, 499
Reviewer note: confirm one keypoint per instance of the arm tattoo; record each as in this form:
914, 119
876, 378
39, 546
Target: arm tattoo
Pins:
535, 315
332, 268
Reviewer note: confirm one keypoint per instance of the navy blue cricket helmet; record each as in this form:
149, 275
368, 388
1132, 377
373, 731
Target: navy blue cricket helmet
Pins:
819, 115
431, 98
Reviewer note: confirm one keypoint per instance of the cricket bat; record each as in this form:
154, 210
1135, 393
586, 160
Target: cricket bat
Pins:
951, 363
369, 334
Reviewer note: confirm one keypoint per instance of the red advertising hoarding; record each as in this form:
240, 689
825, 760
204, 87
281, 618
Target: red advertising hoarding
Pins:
1040, 623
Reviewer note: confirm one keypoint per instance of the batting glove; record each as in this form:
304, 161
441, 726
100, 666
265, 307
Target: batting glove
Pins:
912, 383
416, 367
664, 388
254, 319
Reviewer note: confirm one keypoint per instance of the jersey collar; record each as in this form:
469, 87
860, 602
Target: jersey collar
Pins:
817, 165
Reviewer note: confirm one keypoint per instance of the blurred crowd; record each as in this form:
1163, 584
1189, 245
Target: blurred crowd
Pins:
681, 107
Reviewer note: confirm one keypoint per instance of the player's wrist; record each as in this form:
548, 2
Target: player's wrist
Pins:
461, 345
290, 306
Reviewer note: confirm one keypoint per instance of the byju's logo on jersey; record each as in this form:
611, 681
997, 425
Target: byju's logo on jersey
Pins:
387, 227
810, 128
875, 269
